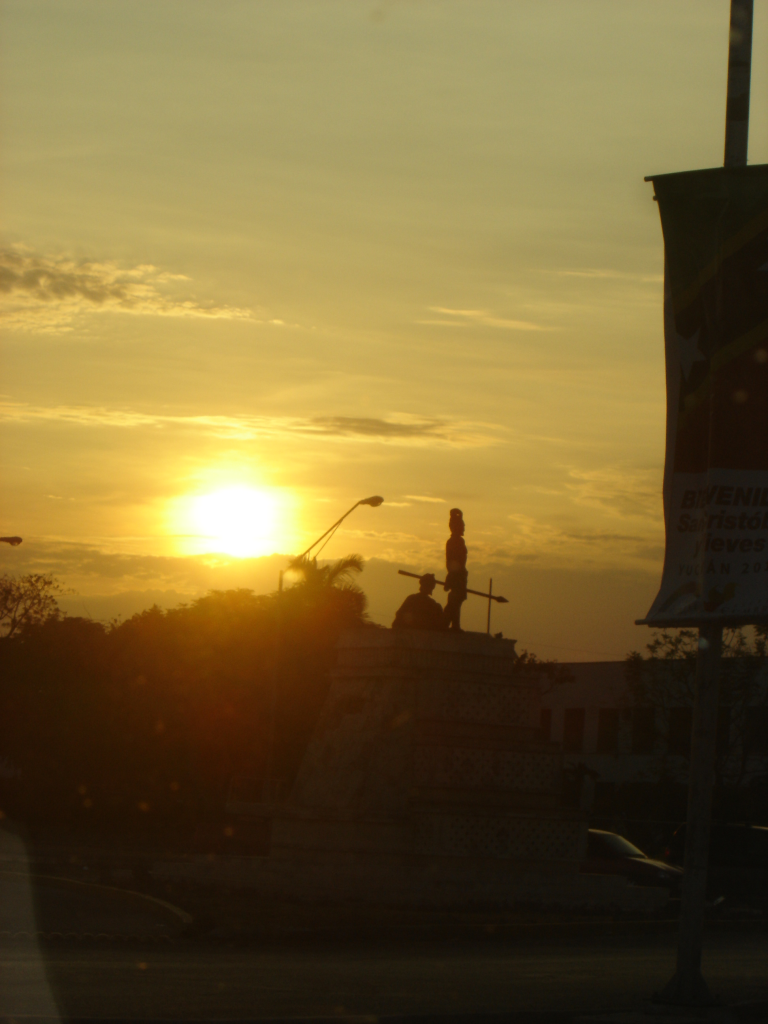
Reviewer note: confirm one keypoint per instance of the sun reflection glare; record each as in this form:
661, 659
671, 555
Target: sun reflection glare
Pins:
238, 521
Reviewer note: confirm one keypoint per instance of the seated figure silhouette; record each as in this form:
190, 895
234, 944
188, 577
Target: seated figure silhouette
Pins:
420, 611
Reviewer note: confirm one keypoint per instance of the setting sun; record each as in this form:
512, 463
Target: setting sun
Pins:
236, 521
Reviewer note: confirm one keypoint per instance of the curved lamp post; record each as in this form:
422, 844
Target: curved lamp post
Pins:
269, 793
374, 501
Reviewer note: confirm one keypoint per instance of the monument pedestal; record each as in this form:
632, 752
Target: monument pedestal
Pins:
427, 784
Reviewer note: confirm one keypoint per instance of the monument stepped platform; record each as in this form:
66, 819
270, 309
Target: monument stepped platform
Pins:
426, 783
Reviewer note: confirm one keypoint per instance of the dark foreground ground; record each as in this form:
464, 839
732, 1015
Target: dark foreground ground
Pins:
72, 949
332, 979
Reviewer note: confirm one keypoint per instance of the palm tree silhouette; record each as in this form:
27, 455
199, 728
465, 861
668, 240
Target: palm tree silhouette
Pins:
329, 585
334, 574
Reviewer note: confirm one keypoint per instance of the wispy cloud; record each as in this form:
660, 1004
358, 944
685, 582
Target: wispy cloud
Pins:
621, 491
395, 430
603, 537
88, 561
425, 497
478, 317
242, 428
93, 567
533, 538
49, 293
360, 426
600, 272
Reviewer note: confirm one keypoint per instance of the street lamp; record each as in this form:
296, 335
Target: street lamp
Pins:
270, 789
13, 541
374, 501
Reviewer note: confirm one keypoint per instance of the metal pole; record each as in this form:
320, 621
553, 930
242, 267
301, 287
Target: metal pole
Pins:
739, 74
688, 986
490, 598
269, 773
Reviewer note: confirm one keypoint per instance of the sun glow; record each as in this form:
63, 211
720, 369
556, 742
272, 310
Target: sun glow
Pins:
238, 521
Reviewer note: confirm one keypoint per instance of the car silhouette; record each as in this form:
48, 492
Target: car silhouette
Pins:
612, 854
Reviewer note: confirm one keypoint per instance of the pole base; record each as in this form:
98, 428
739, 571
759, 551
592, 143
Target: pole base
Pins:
688, 990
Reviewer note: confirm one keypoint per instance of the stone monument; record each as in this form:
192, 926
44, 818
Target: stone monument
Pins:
427, 784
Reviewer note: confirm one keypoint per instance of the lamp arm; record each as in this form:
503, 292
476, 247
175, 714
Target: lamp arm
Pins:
329, 530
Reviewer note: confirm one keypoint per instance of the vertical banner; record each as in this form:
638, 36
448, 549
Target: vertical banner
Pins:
715, 225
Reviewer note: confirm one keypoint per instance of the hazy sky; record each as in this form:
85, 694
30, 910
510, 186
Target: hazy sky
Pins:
262, 259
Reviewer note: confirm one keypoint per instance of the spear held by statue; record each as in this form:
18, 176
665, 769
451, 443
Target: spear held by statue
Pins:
441, 583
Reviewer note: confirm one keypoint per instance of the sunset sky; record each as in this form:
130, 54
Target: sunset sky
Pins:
263, 258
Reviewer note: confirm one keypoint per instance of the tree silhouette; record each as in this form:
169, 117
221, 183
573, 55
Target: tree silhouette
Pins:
25, 600
152, 717
664, 680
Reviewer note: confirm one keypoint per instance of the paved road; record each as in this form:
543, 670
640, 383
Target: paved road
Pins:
42, 903
314, 977
60, 905
309, 979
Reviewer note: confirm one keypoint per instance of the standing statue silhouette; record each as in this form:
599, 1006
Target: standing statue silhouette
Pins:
456, 567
